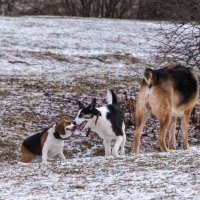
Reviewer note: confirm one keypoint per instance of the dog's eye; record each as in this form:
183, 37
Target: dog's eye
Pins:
81, 115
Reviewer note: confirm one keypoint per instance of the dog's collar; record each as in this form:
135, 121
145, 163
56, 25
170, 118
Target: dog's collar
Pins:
57, 136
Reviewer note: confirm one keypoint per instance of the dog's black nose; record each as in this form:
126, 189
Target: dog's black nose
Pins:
74, 123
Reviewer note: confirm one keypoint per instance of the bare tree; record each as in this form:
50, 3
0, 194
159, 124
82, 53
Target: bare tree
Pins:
128, 9
181, 43
86, 8
182, 39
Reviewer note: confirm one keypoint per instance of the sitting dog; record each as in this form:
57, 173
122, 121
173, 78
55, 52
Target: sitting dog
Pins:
49, 142
168, 93
106, 121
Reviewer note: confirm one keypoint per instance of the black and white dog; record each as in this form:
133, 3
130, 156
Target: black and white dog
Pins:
106, 121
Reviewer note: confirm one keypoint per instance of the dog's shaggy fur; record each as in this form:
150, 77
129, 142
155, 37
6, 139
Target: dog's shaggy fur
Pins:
168, 93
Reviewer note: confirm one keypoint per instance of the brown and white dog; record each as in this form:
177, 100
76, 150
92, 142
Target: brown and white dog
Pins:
48, 143
168, 93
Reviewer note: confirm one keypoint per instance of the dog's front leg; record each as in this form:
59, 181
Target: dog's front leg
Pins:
44, 153
117, 145
61, 155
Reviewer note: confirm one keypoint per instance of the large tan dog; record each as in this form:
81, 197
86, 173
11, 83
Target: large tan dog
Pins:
168, 93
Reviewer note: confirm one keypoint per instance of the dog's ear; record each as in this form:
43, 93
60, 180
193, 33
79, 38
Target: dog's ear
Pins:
93, 104
81, 105
97, 112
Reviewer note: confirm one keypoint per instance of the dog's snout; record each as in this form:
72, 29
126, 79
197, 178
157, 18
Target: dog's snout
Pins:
74, 123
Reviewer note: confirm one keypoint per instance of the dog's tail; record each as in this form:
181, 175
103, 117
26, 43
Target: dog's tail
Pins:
111, 98
149, 76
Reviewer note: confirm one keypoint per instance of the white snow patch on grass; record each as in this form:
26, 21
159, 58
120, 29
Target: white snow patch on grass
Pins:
145, 176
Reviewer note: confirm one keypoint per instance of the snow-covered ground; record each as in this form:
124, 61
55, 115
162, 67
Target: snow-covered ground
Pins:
38, 43
46, 65
147, 176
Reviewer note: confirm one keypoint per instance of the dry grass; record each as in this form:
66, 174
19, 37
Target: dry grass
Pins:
8, 150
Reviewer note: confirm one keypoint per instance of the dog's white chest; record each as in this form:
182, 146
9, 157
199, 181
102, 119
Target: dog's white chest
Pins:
55, 149
53, 145
104, 129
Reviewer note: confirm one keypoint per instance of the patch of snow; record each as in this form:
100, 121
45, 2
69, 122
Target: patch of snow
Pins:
145, 176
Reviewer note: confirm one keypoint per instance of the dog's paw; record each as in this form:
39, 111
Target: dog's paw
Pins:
23, 163
115, 154
122, 153
45, 162
122, 156
108, 157
133, 153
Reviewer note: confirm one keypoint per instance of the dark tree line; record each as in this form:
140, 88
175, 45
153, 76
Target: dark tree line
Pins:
96, 8
178, 10
126, 9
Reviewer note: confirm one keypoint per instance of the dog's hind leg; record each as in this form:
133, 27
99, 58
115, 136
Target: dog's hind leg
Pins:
161, 104
172, 133
141, 118
117, 145
26, 155
122, 151
141, 115
107, 146
184, 127
164, 124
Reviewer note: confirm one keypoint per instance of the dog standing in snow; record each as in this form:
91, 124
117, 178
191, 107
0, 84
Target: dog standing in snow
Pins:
48, 143
106, 121
168, 93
